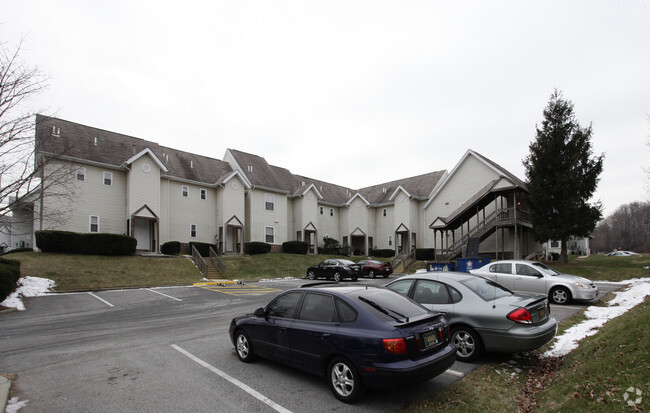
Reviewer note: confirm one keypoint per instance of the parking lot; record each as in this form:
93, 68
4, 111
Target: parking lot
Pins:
168, 349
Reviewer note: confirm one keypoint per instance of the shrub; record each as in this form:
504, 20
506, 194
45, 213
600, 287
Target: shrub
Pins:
9, 275
295, 247
171, 248
385, 253
425, 254
253, 248
203, 248
75, 243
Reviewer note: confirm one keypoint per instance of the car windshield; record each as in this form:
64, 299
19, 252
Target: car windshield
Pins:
387, 305
545, 268
373, 262
486, 289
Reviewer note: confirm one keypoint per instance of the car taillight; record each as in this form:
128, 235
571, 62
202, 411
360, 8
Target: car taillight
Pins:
521, 316
395, 345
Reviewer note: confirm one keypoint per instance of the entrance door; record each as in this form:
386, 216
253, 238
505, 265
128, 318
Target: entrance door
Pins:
142, 233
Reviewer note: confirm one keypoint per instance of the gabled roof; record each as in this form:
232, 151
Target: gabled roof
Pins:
516, 182
85, 144
418, 187
262, 175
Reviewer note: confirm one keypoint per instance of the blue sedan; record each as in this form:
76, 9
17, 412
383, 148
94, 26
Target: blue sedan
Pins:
355, 337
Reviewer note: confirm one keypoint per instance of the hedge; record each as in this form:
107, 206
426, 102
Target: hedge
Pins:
85, 244
295, 247
425, 254
9, 275
171, 248
385, 253
203, 248
253, 248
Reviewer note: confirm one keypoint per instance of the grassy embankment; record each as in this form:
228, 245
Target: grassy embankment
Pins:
595, 377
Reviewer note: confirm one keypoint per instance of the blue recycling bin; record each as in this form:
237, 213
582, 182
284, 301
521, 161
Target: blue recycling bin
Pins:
441, 266
466, 264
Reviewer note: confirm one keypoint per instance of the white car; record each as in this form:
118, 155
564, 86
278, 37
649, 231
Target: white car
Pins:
535, 277
621, 253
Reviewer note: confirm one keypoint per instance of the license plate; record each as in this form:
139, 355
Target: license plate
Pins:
542, 314
430, 338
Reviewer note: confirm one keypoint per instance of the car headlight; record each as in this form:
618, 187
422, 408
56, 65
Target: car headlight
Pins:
581, 285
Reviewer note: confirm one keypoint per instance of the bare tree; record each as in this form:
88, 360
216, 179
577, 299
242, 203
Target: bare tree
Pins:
22, 173
628, 228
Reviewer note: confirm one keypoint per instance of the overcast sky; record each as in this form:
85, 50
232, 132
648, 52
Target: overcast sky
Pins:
355, 93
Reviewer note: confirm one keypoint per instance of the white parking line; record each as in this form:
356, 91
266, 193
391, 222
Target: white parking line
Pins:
168, 296
455, 373
234, 381
102, 300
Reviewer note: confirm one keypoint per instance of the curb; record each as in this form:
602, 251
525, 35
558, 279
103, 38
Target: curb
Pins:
5, 386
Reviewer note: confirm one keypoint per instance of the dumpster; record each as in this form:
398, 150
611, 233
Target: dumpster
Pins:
441, 266
466, 264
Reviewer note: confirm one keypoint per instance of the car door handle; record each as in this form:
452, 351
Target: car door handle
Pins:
325, 335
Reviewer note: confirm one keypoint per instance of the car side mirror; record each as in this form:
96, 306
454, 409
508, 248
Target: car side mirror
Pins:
260, 312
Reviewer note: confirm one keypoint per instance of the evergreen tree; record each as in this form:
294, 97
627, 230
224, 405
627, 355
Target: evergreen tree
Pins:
562, 176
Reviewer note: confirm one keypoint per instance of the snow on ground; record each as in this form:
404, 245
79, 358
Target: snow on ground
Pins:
634, 294
27, 287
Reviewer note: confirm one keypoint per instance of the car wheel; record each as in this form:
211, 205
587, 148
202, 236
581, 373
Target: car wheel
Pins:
337, 276
467, 342
344, 380
371, 274
311, 275
244, 347
560, 295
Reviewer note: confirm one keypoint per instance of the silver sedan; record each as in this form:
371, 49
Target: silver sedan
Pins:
536, 277
482, 315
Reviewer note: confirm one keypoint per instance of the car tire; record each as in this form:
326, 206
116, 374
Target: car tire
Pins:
344, 380
337, 276
371, 274
355, 278
467, 342
311, 275
385, 275
244, 347
560, 295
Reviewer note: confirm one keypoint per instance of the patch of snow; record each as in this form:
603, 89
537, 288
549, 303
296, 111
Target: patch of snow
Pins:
27, 287
13, 405
638, 289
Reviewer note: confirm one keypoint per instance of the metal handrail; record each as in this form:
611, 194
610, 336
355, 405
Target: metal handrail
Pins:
199, 261
218, 262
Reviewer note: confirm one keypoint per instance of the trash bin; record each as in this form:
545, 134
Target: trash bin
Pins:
466, 264
441, 266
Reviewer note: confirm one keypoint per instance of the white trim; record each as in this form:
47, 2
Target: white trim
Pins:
147, 151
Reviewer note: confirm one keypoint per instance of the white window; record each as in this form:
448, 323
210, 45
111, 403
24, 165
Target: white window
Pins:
185, 191
384, 212
269, 235
390, 240
80, 174
108, 178
56, 131
321, 210
192, 230
269, 202
331, 212
94, 223
204, 194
